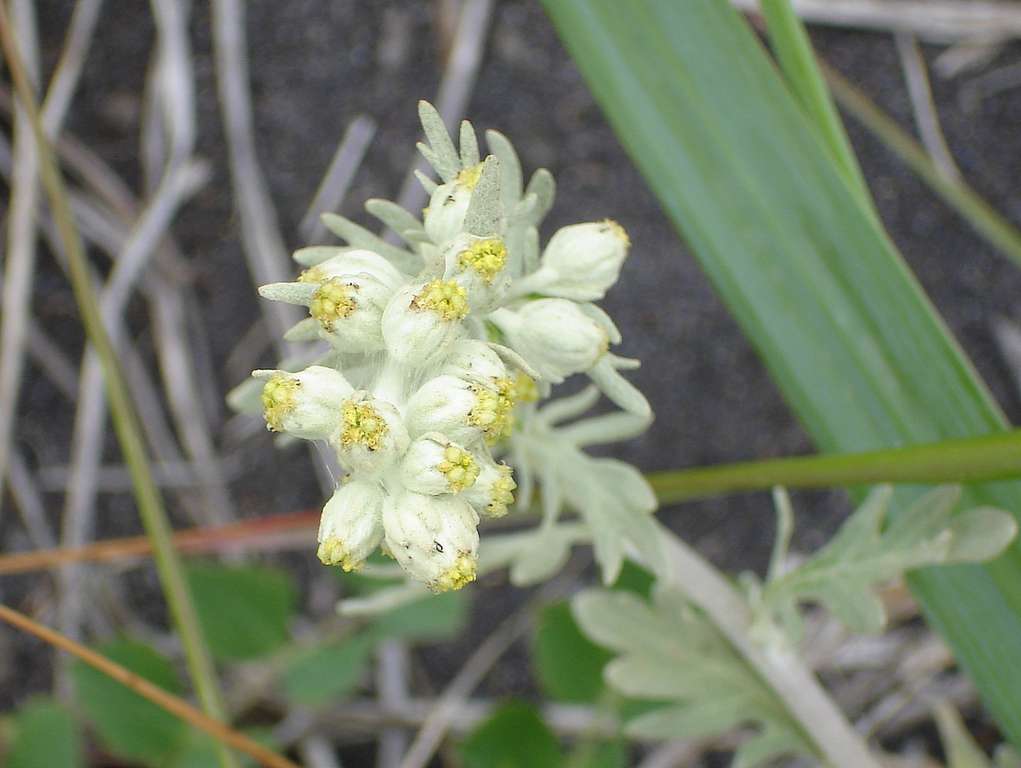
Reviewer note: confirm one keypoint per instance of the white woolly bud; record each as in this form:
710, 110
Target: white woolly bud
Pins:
422, 321
479, 264
582, 261
348, 262
434, 464
304, 404
461, 410
434, 538
475, 361
493, 491
555, 336
372, 435
351, 526
444, 218
349, 310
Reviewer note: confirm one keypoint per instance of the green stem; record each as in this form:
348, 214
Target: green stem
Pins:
125, 420
966, 460
957, 194
794, 53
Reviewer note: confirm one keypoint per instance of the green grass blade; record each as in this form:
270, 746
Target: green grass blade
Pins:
793, 51
822, 293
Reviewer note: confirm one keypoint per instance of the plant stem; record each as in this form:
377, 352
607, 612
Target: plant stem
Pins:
147, 496
806, 700
172, 704
956, 193
964, 460
794, 52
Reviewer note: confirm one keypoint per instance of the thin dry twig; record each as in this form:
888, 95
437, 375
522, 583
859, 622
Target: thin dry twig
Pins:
926, 116
455, 88
172, 704
392, 688
942, 21
30, 503
333, 188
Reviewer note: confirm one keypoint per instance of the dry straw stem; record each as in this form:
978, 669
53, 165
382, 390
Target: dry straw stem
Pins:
153, 693
944, 21
149, 502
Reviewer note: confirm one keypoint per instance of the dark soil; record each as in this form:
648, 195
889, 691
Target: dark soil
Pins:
315, 66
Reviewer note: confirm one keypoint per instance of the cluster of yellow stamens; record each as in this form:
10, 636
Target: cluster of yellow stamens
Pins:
459, 467
279, 398
469, 177
494, 410
333, 552
617, 231
361, 424
525, 389
486, 257
461, 573
332, 301
444, 297
501, 493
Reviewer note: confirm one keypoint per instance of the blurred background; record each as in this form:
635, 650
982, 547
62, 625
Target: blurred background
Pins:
200, 143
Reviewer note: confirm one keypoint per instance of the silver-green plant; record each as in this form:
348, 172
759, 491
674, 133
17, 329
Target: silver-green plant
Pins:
438, 355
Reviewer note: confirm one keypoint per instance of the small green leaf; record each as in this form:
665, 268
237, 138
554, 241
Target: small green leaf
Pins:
244, 610
514, 736
127, 724
328, 672
201, 751
432, 619
569, 665
863, 555
45, 736
669, 652
634, 578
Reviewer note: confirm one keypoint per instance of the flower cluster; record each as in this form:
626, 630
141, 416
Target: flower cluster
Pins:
437, 349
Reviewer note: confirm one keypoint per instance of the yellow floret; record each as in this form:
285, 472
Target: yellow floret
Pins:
461, 573
362, 425
469, 177
501, 494
493, 412
333, 552
459, 467
525, 389
444, 297
334, 300
486, 257
279, 398
618, 231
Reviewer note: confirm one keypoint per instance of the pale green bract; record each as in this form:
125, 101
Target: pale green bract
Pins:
867, 552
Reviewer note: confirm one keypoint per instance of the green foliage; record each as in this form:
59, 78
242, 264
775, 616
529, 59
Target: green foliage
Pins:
569, 665
127, 724
813, 280
514, 736
201, 751
866, 553
668, 652
244, 610
45, 736
328, 672
432, 619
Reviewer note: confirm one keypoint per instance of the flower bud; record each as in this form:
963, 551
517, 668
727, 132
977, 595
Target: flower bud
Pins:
349, 310
372, 435
351, 526
478, 264
582, 261
354, 261
304, 404
434, 464
475, 361
448, 204
434, 538
493, 491
462, 410
555, 336
422, 321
